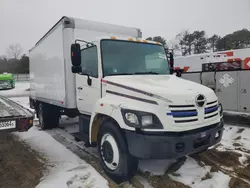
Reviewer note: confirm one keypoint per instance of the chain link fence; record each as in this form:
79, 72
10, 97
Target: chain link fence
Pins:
22, 77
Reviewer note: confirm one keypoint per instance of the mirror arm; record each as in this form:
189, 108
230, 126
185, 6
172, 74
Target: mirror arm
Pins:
89, 81
84, 41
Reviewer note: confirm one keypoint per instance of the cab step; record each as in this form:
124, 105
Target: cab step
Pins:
81, 136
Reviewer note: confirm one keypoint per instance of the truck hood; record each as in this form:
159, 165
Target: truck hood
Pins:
170, 87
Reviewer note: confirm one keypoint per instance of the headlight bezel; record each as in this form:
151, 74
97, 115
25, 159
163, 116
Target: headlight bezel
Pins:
155, 125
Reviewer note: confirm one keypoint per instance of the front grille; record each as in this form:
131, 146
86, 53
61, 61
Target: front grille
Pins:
188, 113
213, 102
183, 113
207, 117
180, 106
185, 121
211, 109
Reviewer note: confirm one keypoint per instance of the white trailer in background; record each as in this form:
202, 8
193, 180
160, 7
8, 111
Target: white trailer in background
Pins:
198, 62
226, 72
120, 87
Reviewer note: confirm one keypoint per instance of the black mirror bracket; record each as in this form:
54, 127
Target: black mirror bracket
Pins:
89, 81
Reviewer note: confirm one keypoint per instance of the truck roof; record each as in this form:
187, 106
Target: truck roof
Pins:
70, 22
125, 39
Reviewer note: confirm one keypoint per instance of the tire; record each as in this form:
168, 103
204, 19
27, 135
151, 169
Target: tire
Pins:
48, 116
115, 157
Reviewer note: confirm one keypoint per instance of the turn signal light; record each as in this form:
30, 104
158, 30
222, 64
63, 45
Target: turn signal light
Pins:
31, 122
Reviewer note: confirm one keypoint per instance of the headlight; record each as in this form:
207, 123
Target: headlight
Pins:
146, 120
131, 118
139, 119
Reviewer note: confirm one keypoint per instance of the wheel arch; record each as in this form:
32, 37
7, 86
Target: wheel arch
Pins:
106, 109
98, 119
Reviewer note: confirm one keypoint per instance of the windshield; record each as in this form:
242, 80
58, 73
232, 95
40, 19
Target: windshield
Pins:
127, 57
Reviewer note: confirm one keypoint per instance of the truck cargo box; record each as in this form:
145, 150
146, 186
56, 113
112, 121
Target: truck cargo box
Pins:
51, 79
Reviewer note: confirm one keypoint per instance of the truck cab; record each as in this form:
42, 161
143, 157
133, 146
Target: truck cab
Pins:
131, 107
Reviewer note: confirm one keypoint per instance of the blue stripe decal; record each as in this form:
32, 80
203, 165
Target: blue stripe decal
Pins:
211, 109
182, 114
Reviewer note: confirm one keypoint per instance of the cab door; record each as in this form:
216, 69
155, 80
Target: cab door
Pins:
88, 84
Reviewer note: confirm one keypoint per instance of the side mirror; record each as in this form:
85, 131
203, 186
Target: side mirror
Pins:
82, 71
76, 69
75, 54
171, 60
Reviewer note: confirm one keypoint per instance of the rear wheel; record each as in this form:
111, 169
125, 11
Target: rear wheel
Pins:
115, 157
48, 116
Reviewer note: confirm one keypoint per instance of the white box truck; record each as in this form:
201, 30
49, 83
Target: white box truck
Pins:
120, 87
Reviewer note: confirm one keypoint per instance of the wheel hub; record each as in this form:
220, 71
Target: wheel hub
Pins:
108, 153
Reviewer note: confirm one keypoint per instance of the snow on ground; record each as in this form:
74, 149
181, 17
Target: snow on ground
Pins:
234, 136
156, 167
191, 173
65, 168
236, 139
21, 89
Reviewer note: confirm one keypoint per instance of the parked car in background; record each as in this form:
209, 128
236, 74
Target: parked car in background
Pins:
7, 81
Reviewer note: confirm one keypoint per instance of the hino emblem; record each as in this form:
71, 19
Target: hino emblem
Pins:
200, 100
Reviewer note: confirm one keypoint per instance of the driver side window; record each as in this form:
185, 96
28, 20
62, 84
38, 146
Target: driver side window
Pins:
89, 61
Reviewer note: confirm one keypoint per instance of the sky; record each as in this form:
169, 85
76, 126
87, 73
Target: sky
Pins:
24, 22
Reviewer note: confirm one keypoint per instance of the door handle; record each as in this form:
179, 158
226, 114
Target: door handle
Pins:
80, 88
243, 91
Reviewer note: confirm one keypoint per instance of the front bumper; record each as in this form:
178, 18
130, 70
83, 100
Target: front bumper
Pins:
5, 86
169, 145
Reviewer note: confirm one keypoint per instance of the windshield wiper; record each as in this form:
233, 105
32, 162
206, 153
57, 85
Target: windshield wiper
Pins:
150, 72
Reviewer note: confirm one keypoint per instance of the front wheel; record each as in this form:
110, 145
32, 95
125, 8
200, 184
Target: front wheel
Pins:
115, 157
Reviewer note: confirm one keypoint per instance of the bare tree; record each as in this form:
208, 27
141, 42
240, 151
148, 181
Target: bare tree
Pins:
174, 44
14, 51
